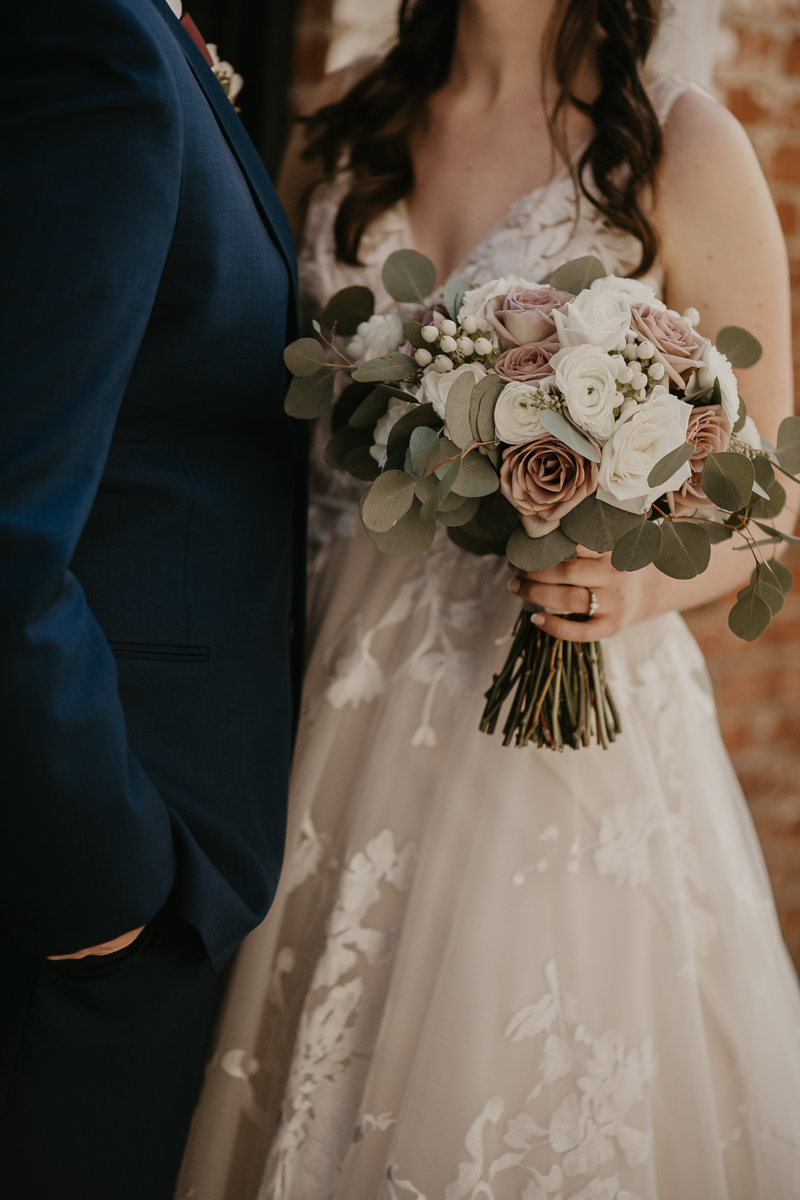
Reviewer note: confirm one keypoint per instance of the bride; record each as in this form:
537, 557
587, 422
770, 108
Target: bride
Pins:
494, 972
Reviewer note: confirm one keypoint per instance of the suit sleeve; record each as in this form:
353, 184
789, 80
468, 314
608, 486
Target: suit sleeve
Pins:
90, 142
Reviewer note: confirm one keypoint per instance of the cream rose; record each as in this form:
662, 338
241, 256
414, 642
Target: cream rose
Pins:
375, 337
476, 300
516, 414
642, 437
716, 366
436, 387
631, 291
587, 378
593, 319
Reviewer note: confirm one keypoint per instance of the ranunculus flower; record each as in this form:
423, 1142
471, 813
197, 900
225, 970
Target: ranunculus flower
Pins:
711, 434
397, 409
632, 291
528, 364
544, 479
677, 345
526, 314
375, 337
476, 300
516, 414
643, 435
716, 366
593, 319
435, 388
587, 377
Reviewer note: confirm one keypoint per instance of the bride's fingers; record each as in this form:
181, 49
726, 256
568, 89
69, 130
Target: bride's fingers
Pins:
579, 572
572, 631
568, 599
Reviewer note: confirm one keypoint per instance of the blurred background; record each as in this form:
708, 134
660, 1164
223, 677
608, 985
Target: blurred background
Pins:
282, 47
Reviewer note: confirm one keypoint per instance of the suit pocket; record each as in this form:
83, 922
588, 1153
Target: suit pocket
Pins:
155, 652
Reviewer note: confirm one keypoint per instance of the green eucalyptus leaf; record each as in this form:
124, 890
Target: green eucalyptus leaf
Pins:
349, 400
443, 490
412, 332
387, 501
371, 408
565, 431
466, 540
448, 501
771, 595
759, 492
454, 291
782, 575
309, 396
718, 533
765, 475
596, 525
685, 550
386, 367
409, 276
477, 476
409, 536
788, 448
360, 463
425, 451
348, 308
342, 442
400, 434
495, 516
396, 460
457, 410
537, 554
578, 274
461, 514
727, 480
739, 347
749, 616
305, 357
494, 456
789, 538
741, 418
488, 390
666, 467
638, 547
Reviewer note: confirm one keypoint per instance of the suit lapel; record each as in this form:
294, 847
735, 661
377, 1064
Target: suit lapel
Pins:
244, 151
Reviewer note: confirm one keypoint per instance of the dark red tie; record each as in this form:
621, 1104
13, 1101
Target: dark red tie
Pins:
196, 36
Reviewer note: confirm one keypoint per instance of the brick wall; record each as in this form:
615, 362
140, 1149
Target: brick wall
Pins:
758, 685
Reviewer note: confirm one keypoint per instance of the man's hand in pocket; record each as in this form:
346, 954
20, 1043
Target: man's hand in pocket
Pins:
104, 948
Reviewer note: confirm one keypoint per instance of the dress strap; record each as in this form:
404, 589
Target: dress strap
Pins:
664, 90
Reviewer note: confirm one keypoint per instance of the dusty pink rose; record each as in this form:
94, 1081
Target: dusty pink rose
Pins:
677, 345
544, 479
711, 434
529, 363
525, 315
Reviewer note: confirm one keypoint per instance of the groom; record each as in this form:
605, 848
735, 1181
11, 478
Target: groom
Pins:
150, 576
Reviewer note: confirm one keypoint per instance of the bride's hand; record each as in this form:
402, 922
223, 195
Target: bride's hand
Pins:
569, 588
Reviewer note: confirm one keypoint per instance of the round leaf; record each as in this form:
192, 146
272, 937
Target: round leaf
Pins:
457, 410
788, 448
741, 416
565, 431
739, 347
771, 594
596, 525
360, 463
490, 389
579, 274
466, 540
348, 402
495, 516
537, 554
409, 536
637, 548
387, 501
727, 480
765, 475
426, 453
718, 533
477, 476
342, 442
459, 515
304, 357
666, 467
412, 332
371, 408
348, 308
309, 396
387, 367
421, 414
453, 295
749, 616
771, 507
685, 550
409, 276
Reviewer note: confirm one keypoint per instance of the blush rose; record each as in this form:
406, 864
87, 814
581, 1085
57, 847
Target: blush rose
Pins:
544, 479
525, 314
711, 434
529, 363
678, 348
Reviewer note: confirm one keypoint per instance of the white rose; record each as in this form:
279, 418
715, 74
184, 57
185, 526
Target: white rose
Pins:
377, 336
642, 437
476, 301
516, 414
396, 410
716, 366
749, 434
587, 377
594, 319
435, 388
631, 291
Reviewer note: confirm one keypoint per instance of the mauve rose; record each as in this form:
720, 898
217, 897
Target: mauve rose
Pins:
677, 345
525, 314
544, 479
711, 434
528, 364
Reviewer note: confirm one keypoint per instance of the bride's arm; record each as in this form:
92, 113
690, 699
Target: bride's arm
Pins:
723, 253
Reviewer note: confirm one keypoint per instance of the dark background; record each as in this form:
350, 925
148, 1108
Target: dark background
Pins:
257, 38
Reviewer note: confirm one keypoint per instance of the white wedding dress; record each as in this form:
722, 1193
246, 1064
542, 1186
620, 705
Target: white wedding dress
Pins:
495, 972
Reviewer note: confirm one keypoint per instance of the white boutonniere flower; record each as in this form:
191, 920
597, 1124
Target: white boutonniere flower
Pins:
230, 82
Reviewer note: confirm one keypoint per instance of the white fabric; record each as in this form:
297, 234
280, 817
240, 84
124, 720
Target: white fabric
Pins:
491, 972
177, 7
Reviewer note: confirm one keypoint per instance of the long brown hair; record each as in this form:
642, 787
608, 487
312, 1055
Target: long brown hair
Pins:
368, 129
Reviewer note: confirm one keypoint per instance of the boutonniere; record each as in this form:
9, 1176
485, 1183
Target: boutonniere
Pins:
230, 82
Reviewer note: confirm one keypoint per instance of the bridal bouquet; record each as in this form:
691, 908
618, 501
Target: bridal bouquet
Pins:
531, 419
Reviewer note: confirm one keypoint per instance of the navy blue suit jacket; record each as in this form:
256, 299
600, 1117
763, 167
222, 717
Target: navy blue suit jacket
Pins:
150, 485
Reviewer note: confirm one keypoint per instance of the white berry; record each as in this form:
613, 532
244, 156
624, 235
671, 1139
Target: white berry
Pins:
624, 374
630, 352
646, 350
483, 346
423, 357
430, 333
656, 371
692, 316
470, 325
363, 329
621, 344
447, 345
639, 381
449, 328
443, 364
465, 346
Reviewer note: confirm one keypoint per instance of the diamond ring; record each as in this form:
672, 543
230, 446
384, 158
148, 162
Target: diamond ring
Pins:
594, 603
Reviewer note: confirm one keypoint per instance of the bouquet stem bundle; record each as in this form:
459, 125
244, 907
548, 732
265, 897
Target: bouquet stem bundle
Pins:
559, 691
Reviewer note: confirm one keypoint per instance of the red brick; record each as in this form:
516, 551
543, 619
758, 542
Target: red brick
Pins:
786, 165
745, 107
792, 60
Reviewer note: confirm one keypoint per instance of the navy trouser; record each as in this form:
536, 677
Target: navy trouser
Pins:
101, 1061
